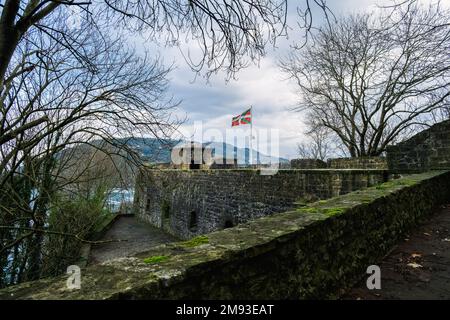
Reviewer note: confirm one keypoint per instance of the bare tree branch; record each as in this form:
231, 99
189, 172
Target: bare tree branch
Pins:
370, 78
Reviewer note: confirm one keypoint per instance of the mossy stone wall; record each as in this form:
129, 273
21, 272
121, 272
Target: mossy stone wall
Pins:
310, 252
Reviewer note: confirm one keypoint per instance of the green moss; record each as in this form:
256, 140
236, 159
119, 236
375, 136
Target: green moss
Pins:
395, 183
334, 211
406, 182
194, 242
155, 259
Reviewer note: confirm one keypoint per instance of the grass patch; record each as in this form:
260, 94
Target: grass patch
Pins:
194, 242
155, 259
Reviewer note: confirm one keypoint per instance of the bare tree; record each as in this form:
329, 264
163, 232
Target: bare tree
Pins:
319, 146
49, 112
371, 78
59, 98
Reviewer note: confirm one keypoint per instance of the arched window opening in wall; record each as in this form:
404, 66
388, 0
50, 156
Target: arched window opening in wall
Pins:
193, 221
228, 224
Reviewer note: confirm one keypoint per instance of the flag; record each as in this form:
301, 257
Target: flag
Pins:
235, 121
246, 117
243, 118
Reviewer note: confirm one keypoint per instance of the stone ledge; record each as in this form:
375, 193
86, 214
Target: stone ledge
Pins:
310, 252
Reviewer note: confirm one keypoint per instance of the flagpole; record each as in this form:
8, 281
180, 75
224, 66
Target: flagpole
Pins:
251, 135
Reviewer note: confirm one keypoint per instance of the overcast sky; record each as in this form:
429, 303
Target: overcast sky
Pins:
264, 87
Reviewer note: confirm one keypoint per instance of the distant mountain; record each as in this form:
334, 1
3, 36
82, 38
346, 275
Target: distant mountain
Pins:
150, 149
242, 154
158, 151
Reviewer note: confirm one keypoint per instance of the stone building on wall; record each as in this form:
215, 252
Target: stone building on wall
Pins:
191, 155
194, 155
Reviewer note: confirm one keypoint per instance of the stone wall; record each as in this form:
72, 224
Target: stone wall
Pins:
358, 163
429, 149
341, 163
308, 164
311, 252
187, 203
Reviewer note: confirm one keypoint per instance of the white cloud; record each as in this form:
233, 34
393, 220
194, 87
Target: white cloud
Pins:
261, 86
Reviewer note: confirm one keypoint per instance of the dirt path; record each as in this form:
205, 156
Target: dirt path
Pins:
139, 235
418, 268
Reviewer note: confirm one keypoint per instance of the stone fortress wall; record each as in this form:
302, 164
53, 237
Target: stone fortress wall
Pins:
341, 163
427, 150
315, 251
187, 203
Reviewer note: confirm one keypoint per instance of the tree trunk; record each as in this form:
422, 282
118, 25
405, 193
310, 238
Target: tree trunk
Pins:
35, 254
9, 36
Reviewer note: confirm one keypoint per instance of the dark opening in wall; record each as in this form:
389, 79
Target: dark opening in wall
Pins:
165, 209
228, 224
385, 176
194, 166
148, 204
193, 221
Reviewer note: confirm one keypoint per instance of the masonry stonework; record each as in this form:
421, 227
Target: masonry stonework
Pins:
427, 150
187, 203
358, 163
308, 164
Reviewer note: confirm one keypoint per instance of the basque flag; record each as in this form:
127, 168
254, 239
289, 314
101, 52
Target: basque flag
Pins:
243, 118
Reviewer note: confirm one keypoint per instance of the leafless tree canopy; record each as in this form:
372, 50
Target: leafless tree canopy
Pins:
320, 145
54, 101
371, 78
69, 80
228, 32
51, 95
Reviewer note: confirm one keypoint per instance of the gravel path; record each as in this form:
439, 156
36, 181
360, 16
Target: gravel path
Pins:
139, 235
418, 268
